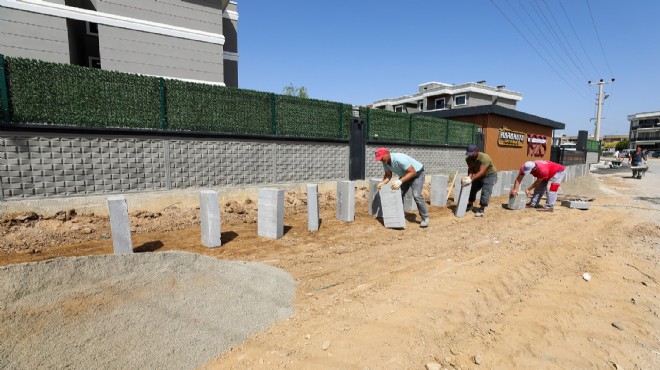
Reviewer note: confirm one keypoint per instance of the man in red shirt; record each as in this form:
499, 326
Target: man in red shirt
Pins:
545, 172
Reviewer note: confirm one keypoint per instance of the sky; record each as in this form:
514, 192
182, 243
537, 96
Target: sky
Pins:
360, 51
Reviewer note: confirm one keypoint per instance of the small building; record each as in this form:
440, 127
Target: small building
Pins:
645, 130
510, 137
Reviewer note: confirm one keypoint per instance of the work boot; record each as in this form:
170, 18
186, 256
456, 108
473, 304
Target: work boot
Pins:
468, 208
480, 213
425, 222
546, 209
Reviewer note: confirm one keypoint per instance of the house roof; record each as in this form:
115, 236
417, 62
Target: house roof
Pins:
495, 109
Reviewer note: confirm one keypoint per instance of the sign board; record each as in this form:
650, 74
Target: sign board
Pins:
536, 145
510, 138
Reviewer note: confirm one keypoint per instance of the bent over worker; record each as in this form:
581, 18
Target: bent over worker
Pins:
546, 172
411, 175
483, 176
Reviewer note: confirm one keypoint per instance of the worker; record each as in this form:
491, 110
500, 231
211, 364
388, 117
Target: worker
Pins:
482, 174
546, 172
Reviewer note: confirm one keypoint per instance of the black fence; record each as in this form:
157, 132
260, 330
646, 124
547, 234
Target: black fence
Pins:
568, 157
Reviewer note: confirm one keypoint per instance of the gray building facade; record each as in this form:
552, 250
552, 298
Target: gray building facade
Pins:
438, 96
182, 39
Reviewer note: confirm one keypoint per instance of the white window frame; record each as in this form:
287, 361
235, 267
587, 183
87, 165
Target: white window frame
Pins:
89, 30
92, 59
398, 108
444, 103
464, 96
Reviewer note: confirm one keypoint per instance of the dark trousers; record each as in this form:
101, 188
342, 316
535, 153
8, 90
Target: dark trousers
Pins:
485, 184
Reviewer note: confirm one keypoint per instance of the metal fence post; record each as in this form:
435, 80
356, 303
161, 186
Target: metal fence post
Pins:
409, 128
163, 111
273, 115
6, 118
368, 124
341, 120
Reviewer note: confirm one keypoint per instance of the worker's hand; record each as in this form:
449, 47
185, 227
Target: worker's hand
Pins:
528, 192
396, 184
380, 185
513, 193
465, 181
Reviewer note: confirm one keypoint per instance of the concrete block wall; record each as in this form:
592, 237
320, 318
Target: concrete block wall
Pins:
436, 161
50, 165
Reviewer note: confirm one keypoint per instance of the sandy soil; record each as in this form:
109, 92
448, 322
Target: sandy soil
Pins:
500, 292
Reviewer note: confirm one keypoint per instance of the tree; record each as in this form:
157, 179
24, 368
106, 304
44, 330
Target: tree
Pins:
291, 90
623, 144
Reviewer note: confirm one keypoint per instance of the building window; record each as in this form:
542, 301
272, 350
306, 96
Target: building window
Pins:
420, 105
460, 100
94, 62
398, 108
440, 103
92, 28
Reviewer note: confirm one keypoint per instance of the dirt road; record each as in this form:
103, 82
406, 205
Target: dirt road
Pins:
501, 292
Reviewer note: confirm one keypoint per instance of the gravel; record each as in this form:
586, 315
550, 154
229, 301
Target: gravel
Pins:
170, 310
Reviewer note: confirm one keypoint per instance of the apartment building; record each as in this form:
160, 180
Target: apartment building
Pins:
435, 96
185, 39
645, 130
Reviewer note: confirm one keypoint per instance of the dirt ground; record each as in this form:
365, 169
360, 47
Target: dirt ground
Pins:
501, 292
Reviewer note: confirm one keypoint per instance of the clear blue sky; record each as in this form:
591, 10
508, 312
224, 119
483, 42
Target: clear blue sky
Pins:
363, 50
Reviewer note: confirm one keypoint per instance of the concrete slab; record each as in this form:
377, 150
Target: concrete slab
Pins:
375, 209
393, 215
575, 204
518, 202
270, 217
346, 201
209, 210
120, 225
464, 194
439, 190
312, 207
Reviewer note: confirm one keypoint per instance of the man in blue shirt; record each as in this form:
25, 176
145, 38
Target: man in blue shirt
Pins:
411, 174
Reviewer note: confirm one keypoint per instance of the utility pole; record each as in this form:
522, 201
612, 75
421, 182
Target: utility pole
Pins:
599, 103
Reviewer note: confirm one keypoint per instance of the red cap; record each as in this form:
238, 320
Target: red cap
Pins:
380, 152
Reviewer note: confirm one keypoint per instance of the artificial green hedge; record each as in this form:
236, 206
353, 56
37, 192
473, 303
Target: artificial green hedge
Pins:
593, 145
417, 129
62, 94
211, 108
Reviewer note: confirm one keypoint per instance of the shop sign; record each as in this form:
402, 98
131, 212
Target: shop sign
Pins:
510, 138
536, 145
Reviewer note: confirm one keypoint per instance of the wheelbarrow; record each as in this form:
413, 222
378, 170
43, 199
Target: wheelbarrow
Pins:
639, 171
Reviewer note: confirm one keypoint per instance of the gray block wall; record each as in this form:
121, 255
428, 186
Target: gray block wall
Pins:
48, 165
436, 161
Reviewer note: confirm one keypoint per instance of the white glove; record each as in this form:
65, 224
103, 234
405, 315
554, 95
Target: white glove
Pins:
465, 181
380, 185
396, 184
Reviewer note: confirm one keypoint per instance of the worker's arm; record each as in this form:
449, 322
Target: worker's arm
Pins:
410, 173
480, 173
533, 186
386, 178
516, 185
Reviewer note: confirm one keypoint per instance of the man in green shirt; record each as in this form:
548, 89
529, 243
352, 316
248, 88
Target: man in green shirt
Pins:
483, 176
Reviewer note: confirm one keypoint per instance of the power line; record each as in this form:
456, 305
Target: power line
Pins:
536, 50
579, 67
578, 38
598, 36
533, 48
